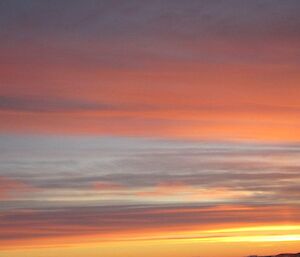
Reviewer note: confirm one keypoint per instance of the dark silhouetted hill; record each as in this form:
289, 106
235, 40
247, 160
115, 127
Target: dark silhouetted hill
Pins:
279, 255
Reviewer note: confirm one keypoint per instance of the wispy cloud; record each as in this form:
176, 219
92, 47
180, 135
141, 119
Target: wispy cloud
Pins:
130, 222
102, 169
13, 188
113, 73
203, 70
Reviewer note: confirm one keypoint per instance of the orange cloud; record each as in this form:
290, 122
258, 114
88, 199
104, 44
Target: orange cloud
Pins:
190, 192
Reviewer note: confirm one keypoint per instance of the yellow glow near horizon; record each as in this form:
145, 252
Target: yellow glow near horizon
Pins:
260, 228
271, 233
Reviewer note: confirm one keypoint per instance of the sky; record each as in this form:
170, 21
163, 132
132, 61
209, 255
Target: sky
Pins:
155, 128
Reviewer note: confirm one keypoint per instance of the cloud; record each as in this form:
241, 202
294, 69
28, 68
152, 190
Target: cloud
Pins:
179, 190
209, 69
43, 104
85, 170
119, 19
12, 188
51, 104
106, 186
129, 222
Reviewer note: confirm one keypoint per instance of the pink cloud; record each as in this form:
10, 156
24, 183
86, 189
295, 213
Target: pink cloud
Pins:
10, 188
107, 186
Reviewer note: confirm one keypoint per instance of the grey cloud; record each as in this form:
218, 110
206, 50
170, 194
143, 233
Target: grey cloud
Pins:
50, 104
137, 163
37, 223
63, 172
107, 17
37, 104
249, 31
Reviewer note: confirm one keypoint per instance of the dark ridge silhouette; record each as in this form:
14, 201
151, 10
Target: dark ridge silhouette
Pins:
279, 255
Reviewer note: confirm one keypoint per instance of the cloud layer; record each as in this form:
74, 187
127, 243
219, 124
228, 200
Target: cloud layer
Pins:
149, 124
126, 188
209, 69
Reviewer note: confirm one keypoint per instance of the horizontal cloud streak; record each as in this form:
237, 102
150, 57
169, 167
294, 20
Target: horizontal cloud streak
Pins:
34, 104
128, 222
94, 169
208, 69
11, 188
42, 104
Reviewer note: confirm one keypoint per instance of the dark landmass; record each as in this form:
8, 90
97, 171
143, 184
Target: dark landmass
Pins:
279, 255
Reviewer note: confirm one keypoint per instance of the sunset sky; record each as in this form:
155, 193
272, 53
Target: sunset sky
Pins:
159, 128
